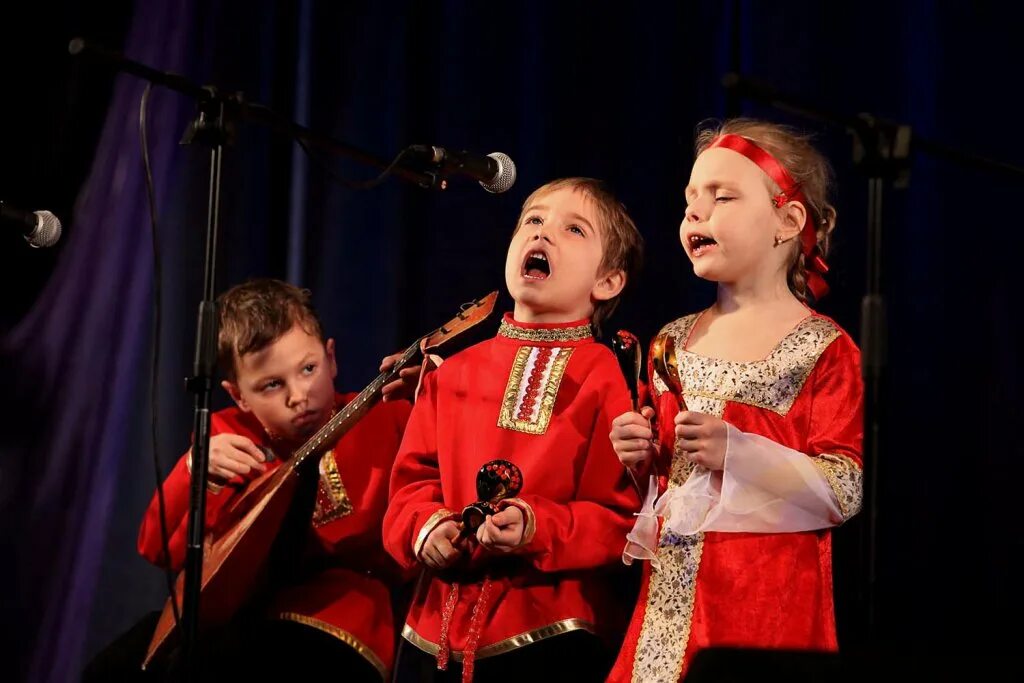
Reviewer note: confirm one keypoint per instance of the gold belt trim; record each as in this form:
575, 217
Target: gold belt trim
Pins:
508, 644
342, 635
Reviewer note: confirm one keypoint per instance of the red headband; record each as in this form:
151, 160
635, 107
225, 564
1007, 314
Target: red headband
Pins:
791, 192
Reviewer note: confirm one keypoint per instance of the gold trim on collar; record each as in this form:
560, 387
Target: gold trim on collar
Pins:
548, 334
342, 635
773, 383
508, 644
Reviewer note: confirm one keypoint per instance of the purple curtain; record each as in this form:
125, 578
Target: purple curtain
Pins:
83, 347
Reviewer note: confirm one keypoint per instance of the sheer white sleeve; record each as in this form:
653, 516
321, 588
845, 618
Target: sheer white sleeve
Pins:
765, 488
642, 540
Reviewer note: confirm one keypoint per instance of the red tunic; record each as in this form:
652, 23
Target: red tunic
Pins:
351, 598
765, 590
542, 397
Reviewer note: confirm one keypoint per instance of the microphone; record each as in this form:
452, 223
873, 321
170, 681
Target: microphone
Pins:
495, 172
40, 228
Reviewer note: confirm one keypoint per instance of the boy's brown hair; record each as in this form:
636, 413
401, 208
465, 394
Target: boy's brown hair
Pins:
622, 243
255, 314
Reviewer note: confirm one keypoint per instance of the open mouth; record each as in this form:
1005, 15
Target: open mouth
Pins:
700, 244
536, 266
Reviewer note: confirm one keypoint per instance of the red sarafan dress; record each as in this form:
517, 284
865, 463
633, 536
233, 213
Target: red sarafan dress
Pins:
742, 557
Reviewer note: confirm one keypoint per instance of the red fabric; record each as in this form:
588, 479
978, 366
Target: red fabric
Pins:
353, 592
770, 590
572, 480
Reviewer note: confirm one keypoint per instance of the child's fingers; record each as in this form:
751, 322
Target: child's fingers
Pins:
637, 446
494, 538
632, 446
634, 458
633, 431
691, 448
392, 388
404, 385
388, 362
227, 462
686, 431
629, 418
451, 530
245, 458
222, 473
238, 461
440, 556
508, 516
433, 559
690, 417
647, 413
244, 444
441, 551
483, 535
464, 543
488, 534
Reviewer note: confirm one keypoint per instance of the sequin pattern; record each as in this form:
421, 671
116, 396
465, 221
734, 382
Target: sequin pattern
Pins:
846, 479
666, 628
772, 383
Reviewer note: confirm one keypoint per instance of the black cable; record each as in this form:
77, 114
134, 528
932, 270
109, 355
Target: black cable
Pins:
352, 184
155, 359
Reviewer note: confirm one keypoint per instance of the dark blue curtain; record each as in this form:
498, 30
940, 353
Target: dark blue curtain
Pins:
564, 89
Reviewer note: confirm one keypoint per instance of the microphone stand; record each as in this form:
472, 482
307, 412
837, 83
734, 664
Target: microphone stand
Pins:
210, 128
882, 150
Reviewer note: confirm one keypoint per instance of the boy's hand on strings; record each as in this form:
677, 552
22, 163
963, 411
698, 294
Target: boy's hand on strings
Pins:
405, 386
632, 438
443, 546
502, 532
702, 438
234, 458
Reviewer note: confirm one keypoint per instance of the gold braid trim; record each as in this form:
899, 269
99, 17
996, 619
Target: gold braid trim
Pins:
342, 635
559, 334
668, 615
336, 502
846, 479
508, 644
508, 418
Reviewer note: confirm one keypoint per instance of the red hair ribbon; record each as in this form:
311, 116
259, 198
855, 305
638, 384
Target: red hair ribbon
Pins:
791, 192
